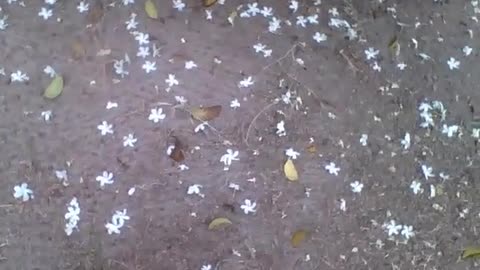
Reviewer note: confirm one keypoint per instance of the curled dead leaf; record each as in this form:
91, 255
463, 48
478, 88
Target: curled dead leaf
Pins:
298, 237
174, 149
208, 3
206, 113
218, 223
290, 170
55, 88
471, 252
151, 9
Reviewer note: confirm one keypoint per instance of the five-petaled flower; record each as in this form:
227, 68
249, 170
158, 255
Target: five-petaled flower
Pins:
407, 232
105, 178
22, 192
105, 128
19, 76
332, 168
45, 13
129, 140
292, 153
392, 228
356, 187
248, 206
149, 66
83, 7
195, 189
227, 158
156, 115
246, 82
453, 63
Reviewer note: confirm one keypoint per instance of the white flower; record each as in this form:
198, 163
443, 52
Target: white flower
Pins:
156, 115
392, 228
131, 23
259, 47
371, 53
253, 9
183, 167
274, 25
200, 127
319, 37
416, 187
364, 139
427, 172
234, 104
105, 178
343, 205
293, 5
45, 13
149, 66
267, 12
281, 129
190, 64
171, 80
22, 192
376, 66
332, 168
227, 158
206, 267
302, 21
333, 11
356, 187
118, 220
62, 175
313, 19
50, 2
142, 38
407, 232
82, 7
195, 189
46, 115
450, 130
406, 141
118, 66
72, 216
143, 52
267, 53
111, 105
453, 63
476, 133
292, 153
249, 207
105, 128
208, 15
131, 191
49, 71
334, 22
129, 140
19, 76
246, 82
3, 22
180, 99
127, 2
467, 50
178, 5
234, 186
401, 66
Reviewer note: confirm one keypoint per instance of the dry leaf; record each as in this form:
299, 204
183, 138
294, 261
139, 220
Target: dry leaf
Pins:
471, 252
208, 3
96, 13
298, 237
151, 9
78, 51
206, 113
55, 88
312, 149
232, 16
290, 170
219, 223
177, 152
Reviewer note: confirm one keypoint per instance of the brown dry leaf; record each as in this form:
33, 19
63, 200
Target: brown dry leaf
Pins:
206, 113
208, 3
175, 148
96, 13
298, 237
218, 223
471, 252
290, 170
312, 148
78, 51
151, 9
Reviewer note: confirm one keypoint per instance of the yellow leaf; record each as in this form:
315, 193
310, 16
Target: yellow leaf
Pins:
298, 237
290, 170
206, 113
151, 9
55, 88
219, 222
471, 252
207, 3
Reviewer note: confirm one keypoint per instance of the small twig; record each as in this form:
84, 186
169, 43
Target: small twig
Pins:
290, 51
6, 205
256, 117
349, 61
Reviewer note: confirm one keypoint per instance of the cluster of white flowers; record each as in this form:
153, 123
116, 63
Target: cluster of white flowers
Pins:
72, 216
262, 48
118, 220
393, 229
427, 111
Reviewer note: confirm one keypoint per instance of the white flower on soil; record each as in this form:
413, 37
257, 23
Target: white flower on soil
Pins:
156, 115
332, 168
45, 13
142, 38
450, 130
302, 21
49, 71
3, 22
227, 158
293, 5
19, 76
401, 66
392, 228
50, 2
171, 80
313, 19
320, 37
453, 63
183, 167
200, 127
118, 221
248, 207
467, 50
149, 66
253, 9
206, 267
105, 178
178, 5
234, 104
334, 12
427, 172
416, 187
83, 7
281, 129
371, 53
364, 139
131, 23
111, 105
46, 115
129, 140
195, 189
62, 176
267, 12
22, 192
407, 232
72, 216
190, 65
274, 25
127, 2
234, 186
105, 128
356, 187
406, 141
246, 82
292, 153
143, 52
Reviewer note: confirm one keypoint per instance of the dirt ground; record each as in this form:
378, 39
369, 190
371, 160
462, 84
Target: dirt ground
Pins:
336, 96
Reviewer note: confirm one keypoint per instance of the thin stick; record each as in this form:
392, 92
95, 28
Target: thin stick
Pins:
281, 58
255, 119
342, 53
